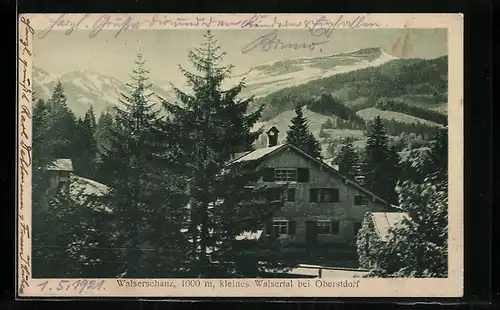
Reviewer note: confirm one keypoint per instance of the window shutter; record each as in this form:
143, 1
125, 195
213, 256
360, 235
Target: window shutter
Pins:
291, 194
335, 226
268, 174
313, 195
292, 227
358, 200
335, 195
303, 175
269, 228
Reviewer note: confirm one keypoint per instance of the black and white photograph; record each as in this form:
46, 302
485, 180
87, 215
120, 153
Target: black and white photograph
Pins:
254, 153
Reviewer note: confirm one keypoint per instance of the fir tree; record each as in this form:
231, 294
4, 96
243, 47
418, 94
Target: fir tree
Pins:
62, 125
103, 133
207, 127
348, 159
300, 136
142, 187
42, 155
85, 161
438, 161
380, 172
41, 141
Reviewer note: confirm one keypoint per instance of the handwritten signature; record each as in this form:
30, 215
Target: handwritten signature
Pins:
322, 26
271, 41
25, 147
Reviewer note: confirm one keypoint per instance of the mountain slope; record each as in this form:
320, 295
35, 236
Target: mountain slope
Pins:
417, 82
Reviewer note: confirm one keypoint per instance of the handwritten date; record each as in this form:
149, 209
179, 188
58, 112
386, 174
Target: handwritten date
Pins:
78, 286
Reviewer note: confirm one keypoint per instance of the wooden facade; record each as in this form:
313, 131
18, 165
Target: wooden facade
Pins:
321, 206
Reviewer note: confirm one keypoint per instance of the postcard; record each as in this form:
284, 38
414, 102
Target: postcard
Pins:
240, 155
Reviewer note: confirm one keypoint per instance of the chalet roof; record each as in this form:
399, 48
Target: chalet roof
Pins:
383, 221
260, 154
61, 165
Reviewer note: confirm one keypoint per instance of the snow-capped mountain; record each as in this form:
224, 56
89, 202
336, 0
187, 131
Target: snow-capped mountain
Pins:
85, 88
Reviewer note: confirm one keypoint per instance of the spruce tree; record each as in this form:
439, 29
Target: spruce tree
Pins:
300, 136
85, 161
142, 190
348, 159
206, 127
438, 160
103, 133
42, 155
62, 125
380, 172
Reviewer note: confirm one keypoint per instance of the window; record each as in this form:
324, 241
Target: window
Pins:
300, 175
360, 200
289, 195
324, 195
285, 175
324, 227
63, 186
280, 227
278, 194
356, 226
327, 227
273, 194
335, 227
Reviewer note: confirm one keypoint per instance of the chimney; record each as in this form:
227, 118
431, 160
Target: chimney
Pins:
272, 136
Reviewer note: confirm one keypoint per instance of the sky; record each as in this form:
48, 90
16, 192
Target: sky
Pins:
165, 49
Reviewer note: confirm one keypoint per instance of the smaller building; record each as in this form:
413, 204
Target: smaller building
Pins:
375, 230
81, 190
59, 174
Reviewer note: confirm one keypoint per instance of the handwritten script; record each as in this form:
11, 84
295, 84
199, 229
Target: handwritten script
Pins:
25, 96
78, 286
95, 23
271, 41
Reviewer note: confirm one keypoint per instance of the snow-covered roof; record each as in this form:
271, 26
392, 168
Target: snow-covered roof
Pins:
61, 165
249, 235
82, 190
258, 153
384, 221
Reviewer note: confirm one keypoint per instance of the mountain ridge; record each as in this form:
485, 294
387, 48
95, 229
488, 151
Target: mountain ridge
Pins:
85, 88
